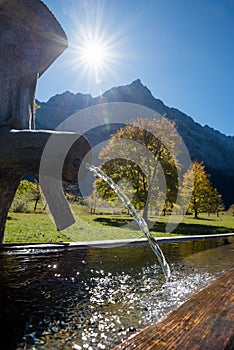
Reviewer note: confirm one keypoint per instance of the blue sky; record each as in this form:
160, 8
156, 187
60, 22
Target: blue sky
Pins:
182, 50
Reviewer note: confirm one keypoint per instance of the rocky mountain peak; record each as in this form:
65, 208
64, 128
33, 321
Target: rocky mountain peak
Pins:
205, 144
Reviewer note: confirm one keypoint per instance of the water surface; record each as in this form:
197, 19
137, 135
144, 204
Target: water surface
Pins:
94, 298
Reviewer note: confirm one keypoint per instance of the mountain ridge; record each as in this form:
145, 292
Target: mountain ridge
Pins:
204, 143
88, 97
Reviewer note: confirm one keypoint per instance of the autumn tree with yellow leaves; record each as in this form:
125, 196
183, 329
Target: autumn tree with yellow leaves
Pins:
204, 197
140, 153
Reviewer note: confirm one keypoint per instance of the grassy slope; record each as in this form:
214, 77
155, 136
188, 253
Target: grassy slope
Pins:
39, 228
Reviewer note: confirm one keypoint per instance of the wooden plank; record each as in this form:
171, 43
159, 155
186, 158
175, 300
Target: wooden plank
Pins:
205, 322
21, 150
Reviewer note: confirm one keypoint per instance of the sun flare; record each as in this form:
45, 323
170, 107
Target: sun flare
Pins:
94, 55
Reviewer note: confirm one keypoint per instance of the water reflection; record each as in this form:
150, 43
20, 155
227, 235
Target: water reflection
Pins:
92, 298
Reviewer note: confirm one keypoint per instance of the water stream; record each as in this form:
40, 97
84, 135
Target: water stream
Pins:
137, 217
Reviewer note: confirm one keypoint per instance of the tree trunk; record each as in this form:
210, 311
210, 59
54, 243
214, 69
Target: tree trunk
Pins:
145, 211
36, 202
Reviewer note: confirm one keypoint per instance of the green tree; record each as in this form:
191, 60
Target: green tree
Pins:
136, 154
27, 191
35, 193
231, 209
24, 188
36, 106
204, 197
215, 202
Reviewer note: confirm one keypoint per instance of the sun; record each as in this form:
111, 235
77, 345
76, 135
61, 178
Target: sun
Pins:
94, 54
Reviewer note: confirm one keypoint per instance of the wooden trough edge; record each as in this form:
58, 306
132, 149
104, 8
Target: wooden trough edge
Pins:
205, 321
109, 243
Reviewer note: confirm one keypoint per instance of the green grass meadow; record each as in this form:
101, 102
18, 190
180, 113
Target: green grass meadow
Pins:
38, 227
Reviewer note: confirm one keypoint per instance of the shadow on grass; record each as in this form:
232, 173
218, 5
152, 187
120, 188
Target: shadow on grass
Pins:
116, 222
182, 229
192, 229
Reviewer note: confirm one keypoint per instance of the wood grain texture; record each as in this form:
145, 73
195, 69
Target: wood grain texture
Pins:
30, 40
22, 151
205, 322
9, 181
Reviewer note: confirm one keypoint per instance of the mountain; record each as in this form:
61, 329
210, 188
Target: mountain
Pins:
204, 143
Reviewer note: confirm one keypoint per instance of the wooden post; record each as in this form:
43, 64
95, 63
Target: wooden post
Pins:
30, 40
21, 153
9, 181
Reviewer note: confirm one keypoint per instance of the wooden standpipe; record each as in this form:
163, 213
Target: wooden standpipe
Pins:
30, 40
